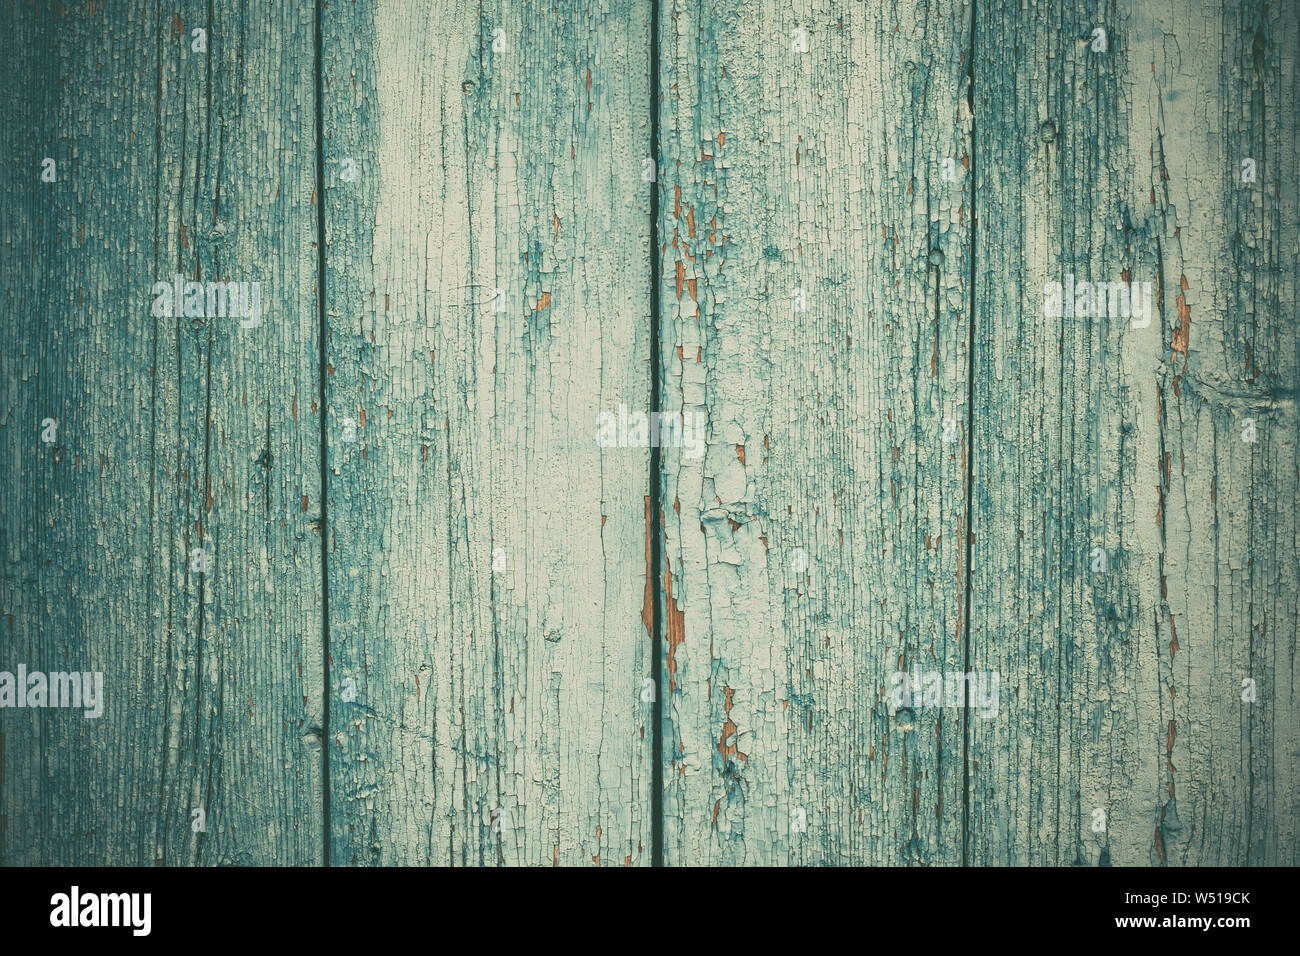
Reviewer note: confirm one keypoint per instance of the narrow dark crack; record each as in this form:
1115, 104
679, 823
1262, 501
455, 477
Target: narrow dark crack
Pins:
655, 530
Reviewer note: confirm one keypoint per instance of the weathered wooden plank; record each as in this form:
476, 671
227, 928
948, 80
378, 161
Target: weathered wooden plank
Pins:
1230, 768
1124, 738
482, 714
814, 549
174, 433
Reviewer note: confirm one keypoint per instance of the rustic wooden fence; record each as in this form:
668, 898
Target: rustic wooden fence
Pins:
973, 330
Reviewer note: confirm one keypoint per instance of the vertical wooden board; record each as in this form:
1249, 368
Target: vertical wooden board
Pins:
174, 433
813, 542
1225, 92
487, 557
1080, 419
1057, 441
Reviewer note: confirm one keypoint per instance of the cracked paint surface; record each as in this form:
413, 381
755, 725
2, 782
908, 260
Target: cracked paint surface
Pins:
435, 601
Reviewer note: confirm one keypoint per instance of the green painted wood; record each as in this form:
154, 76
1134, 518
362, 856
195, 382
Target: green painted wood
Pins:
1231, 566
1091, 433
441, 655
173, 434
815, 548
483, 716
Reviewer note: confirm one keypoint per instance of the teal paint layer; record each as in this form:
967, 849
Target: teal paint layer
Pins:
1129, 742
173, 434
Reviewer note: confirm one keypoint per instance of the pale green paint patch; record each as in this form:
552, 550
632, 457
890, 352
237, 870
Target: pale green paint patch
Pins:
498, 714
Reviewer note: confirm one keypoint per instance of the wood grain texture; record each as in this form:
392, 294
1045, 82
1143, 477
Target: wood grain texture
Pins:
1124, 686
173, 434
497, 715
439, 595
815, 549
